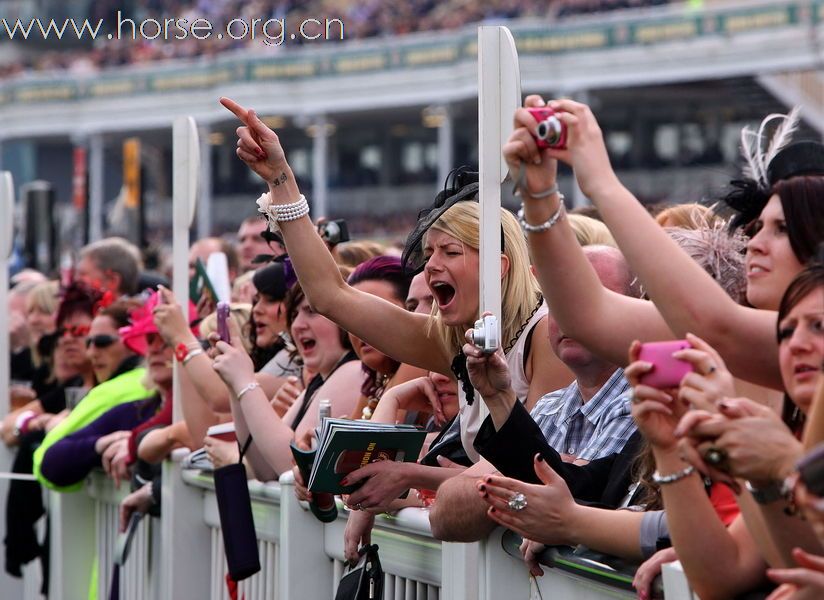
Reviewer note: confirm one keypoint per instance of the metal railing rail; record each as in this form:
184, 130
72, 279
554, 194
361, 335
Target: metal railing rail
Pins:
301, 557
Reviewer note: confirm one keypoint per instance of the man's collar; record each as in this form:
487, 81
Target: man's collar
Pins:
604, 399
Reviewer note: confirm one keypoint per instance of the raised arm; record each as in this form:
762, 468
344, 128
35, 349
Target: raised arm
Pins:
358, 312
579, 302
686, 295
253, 415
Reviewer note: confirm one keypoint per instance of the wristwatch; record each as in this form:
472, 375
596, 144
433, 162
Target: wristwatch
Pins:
183, 352
772, 492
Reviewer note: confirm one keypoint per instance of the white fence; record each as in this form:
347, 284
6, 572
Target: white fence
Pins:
302, 558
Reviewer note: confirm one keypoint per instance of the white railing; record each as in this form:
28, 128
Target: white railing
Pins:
303, 558
139, 576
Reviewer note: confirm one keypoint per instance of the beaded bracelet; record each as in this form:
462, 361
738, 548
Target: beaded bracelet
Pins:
659, 479
546, 225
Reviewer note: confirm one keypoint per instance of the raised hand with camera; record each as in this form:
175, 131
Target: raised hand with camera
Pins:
489, 374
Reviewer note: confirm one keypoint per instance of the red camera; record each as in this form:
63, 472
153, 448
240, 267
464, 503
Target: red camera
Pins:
551, 131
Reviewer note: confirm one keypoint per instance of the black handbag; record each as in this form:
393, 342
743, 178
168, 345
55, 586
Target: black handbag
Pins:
236, 522
364, 581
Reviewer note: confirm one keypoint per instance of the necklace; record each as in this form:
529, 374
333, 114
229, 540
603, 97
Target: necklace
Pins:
523, 325
372, 402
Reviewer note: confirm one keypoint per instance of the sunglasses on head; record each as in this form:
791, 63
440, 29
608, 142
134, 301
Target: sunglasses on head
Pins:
101, 341
76, 331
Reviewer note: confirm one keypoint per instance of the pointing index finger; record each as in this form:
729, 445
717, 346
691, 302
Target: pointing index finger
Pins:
236, 109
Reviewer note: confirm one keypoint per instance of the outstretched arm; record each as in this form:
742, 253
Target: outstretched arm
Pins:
357, 312
691, 301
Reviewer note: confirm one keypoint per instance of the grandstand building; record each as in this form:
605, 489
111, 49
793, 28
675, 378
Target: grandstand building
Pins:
373, 125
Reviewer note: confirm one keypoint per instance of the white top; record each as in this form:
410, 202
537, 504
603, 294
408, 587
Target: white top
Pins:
281, 365
470, 416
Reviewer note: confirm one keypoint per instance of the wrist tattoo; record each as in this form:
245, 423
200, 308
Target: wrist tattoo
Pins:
279, 179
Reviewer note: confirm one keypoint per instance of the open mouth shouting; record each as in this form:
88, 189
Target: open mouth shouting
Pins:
306, 345
444, 294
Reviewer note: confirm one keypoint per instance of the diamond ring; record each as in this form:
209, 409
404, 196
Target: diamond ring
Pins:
517, 502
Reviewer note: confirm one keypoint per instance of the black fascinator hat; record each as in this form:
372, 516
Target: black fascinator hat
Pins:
461, 184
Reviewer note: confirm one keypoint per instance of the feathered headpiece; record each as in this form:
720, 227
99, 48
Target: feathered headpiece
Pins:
766, 166
752, 145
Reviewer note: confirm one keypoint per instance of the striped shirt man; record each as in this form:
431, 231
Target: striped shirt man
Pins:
587, 430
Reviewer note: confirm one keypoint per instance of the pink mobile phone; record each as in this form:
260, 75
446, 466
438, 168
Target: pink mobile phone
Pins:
667, 371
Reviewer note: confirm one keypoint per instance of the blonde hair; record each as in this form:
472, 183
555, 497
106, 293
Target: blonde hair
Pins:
591, 232
686, 216
519, 288
240, 314
43, 297
351, 254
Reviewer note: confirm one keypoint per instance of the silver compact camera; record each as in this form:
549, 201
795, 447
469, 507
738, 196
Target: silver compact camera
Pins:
485, 334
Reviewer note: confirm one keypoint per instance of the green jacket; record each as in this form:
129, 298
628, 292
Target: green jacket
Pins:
127, 387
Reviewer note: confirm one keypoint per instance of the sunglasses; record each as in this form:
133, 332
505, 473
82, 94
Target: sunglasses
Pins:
101, 341
76, 331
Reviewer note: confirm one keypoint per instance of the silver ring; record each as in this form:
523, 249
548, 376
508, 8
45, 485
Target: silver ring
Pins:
358, 506
517, 502
633, 398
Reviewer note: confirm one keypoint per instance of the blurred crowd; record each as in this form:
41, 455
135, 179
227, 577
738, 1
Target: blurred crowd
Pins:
362, 20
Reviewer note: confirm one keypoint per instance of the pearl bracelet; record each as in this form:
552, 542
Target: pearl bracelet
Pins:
659, 479
293, 211
546, 225
247, 388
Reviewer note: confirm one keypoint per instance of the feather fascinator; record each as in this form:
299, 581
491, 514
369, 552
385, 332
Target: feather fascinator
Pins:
768, 160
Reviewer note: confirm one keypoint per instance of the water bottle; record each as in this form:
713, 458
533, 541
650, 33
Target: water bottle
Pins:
324, 410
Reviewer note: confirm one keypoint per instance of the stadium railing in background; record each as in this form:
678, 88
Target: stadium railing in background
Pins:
302, 558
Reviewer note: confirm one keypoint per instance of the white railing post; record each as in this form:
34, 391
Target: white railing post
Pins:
460, 571
502, 575
6, 239
184, 537
7, 584
676, 586
304, 570
499, 94
72, 547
